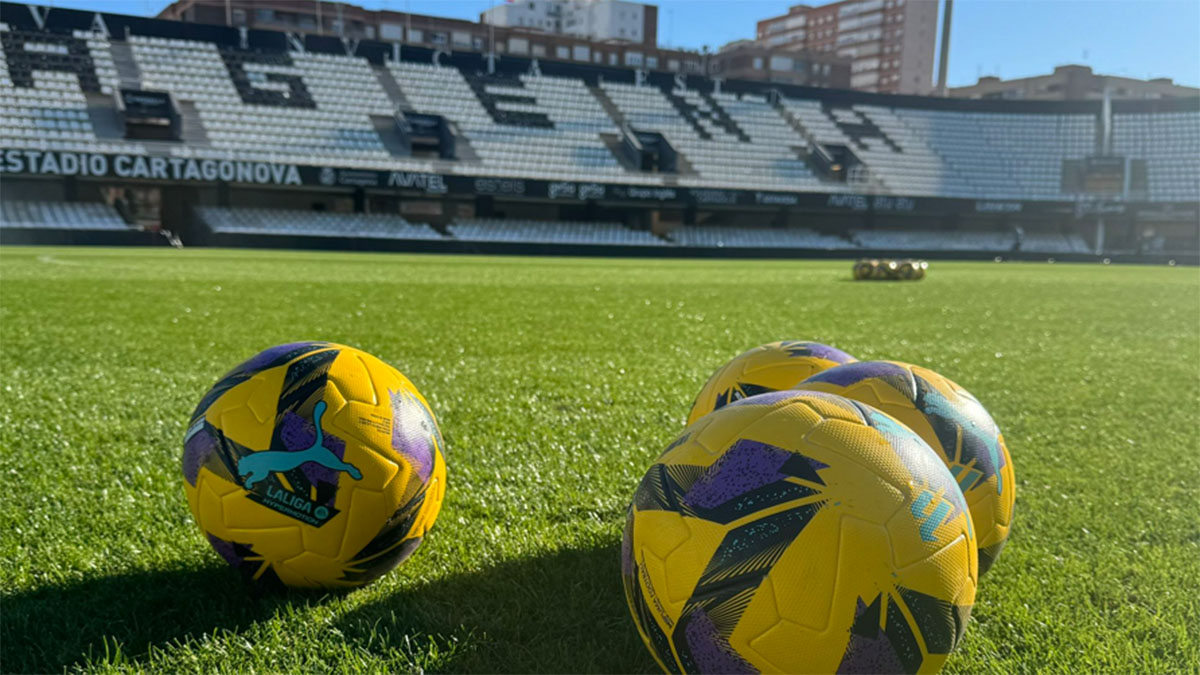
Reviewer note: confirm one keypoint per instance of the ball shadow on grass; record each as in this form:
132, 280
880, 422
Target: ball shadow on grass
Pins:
563, 612
53, 628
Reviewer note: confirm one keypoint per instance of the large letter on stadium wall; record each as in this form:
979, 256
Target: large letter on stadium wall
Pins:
48, 52
296, 96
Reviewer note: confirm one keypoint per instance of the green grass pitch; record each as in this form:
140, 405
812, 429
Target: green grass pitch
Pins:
557, 382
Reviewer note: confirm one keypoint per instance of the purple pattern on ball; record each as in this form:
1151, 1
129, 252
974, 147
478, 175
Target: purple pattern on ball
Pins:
267, 356
821, 351
413, 432
197, 448
768, 398
317, 474
710, 650
870, 655
850, 373
831, 354
226, 550
298, 434
746, 466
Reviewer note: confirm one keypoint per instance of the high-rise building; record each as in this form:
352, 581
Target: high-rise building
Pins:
749, 60
1072, 82
595, 19
890, 42
565, 40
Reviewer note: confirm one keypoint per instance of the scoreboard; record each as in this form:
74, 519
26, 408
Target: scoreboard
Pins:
1104, 175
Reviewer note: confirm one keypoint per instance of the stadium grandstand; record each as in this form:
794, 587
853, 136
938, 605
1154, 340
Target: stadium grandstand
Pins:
113, 126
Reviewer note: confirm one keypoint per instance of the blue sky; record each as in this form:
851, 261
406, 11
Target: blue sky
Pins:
1009, 38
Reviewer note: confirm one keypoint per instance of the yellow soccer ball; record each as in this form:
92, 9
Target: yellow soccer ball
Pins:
314, 465
950, 420
799, 532
770, 367
886, 269
864, 268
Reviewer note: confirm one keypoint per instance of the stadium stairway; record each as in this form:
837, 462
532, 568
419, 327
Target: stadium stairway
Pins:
688, 112
682, 166
722, 119
611, 108
392, 88
463, 151
613, 141
128, 72
389, 135
808, 136
191, 129
102, 113
793, 122
615, 145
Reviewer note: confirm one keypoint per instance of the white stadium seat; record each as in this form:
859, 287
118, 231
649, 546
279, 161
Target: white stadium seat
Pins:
551, 232
59, 91
1170, 144
311, 223
709, 236
60, 216
555, 128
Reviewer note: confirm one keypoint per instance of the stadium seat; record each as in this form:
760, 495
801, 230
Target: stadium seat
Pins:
329, 122
1054, 242
955, 154
1170, 144
327, 110
757, 150
710, 236
46, 107
60, 216
922, 240
311, 223
563, 143
551, 232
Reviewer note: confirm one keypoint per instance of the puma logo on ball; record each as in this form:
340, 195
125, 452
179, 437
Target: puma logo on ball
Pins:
257, 466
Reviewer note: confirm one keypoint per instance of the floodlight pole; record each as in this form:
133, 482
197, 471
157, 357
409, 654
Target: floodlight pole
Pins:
1106, 122
944, 57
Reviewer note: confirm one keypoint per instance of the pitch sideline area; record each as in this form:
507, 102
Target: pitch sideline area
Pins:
557, 381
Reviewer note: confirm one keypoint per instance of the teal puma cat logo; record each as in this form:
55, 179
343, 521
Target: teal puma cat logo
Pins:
257, 466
